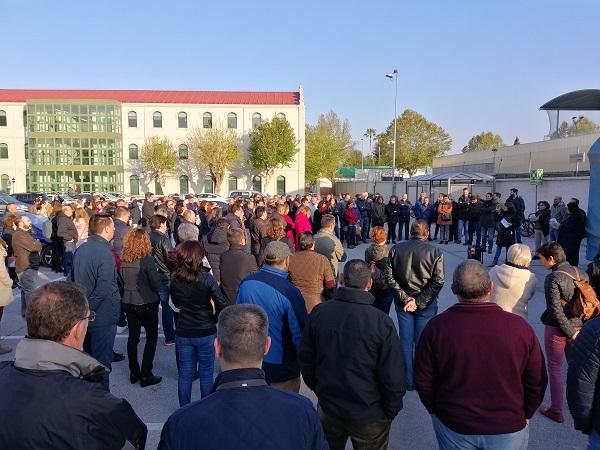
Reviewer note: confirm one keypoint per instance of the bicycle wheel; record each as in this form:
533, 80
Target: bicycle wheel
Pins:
527, 228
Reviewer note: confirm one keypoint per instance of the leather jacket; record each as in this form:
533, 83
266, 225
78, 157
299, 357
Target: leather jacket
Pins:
161, 246
415, 269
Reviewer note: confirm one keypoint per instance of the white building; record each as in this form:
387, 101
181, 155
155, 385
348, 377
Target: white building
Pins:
91, 140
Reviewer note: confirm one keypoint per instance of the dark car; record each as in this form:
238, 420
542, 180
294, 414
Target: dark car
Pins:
30, 197
41, 225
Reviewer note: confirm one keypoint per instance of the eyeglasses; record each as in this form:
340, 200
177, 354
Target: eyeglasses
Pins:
91, 317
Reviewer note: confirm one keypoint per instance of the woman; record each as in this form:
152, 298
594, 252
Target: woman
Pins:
508, 221
571, 232
444, 218
378, 212
541, 224
351, 219
81, 220
334, 210
514, 284
376, 255
57, 245
6, 296
302, 223
198, 297
179, 210
560, 327
322, 209
392, 215
275, 232
283, 210
428, 214
141, 282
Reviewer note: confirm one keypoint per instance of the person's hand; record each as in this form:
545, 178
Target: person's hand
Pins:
410, 305
575, 335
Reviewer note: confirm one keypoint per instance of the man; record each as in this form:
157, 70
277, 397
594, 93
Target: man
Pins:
67, 235
11, 210
415, 273
27, 259
134, 210
270, 289
363, 203
328, 245
215, 244
350, 356
311, 272
65, 407
95, 269
148, 207
473, 218
460, 210
122, 227
235, 217
161, 246
488, 221
583, 375
258, 230
479, 370
519, 206
404, 208
266, 418
235, 265
558, 212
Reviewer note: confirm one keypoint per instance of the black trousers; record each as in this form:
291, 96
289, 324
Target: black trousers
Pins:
404, 223
370, 436
139, 316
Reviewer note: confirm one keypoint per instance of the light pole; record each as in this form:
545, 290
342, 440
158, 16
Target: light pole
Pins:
362, 153
394, 76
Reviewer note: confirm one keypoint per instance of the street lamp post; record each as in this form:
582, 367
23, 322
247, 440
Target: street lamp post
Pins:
394, 76
362, 153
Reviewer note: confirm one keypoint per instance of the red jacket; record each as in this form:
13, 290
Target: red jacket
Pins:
351, 216
480, 369
302, 225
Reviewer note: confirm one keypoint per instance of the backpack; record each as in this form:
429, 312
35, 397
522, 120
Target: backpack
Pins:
585, 304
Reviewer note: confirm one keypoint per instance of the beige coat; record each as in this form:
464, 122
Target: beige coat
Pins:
513, 288
6, 295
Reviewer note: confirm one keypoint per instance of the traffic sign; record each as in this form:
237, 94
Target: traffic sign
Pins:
536, 176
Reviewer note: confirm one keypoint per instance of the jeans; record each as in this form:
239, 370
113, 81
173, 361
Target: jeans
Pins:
370, 436
487, 237
555, 343
168, 316
139, 316
437, 229
451, 440
69, 248
27, 280
99, 343
461, 230
540, 239
444, 232
365, 224
474, 229
404, 223
498, 252
351, 235
195, 354
594, 441
553, 234
392, 231
410, 328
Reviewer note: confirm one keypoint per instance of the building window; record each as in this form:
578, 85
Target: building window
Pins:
26, 150
280, 185
157, 119
2, 118
183, 151
134, 185
257, 183
207, 120
182, 120
132, 119
209, 186
281, 116
232, 120
184, 185
133, 151
157, 187
25, 118
3, 151
256, 120
5, 183
232, 183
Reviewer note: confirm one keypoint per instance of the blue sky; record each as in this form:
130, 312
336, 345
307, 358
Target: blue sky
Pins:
467, 65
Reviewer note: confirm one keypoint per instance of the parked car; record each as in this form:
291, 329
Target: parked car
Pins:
6, 199
29, 197
211, 197
246, 194
41, 227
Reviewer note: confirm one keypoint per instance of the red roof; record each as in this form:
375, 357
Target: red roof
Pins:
188, 97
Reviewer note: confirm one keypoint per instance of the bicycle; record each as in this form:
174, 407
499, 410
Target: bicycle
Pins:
527, 227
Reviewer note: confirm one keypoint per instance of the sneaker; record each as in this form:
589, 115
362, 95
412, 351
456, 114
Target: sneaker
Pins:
4, 349
169, 343
150, 380
117, 357
551, 414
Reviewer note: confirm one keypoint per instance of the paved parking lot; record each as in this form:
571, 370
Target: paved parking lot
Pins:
412, 428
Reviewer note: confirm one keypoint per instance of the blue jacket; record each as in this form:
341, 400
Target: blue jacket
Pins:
364, 207
94, 268
270, 289
240, 418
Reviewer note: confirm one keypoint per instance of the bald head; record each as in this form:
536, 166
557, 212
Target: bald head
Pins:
471, 282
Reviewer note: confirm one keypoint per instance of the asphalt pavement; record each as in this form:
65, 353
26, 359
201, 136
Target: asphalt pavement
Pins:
412, 428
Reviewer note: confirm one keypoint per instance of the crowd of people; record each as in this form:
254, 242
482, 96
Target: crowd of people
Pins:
256, 287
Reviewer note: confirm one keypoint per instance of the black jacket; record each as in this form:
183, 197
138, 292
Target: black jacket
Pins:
141, 281
161, 246
215, 244
507, 236
461, 207
52, 399
196, 316
392, 213
378, 213
66, 228
488, 209
415, 269
593, 271
559, 286
350, 356
135, 212
148, 210
235, 265
121, 229
474, 211
583, 395
404, 208
258, 230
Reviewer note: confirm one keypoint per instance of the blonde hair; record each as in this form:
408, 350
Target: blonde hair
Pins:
80, 213
519, 255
